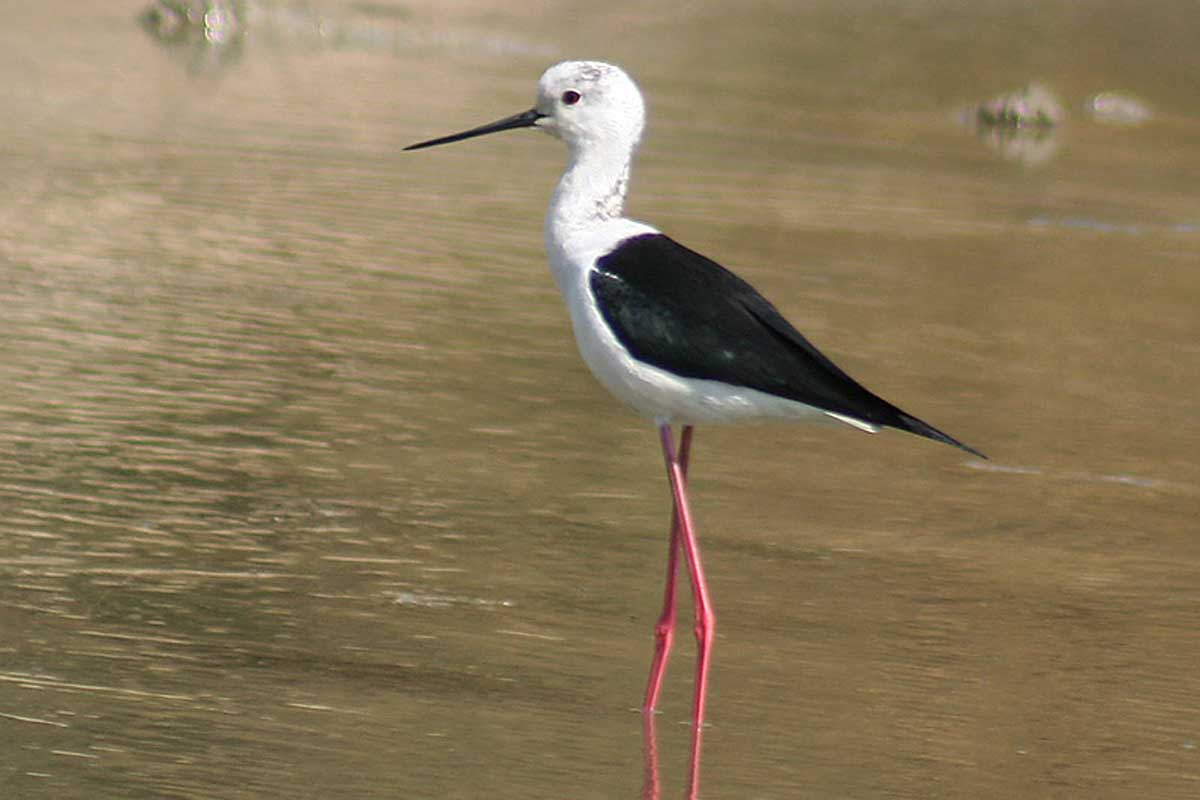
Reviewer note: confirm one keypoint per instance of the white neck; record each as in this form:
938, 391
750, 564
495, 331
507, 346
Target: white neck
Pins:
591, 190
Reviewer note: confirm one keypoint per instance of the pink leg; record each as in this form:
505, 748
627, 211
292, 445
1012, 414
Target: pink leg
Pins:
664, 629
705, 619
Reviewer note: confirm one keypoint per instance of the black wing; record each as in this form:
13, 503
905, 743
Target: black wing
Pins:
677, 310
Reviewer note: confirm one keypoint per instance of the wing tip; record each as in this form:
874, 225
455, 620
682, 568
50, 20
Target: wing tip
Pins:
921, 428
911, 424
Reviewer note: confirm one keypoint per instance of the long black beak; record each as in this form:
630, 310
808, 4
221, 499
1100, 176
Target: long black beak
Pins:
526, 119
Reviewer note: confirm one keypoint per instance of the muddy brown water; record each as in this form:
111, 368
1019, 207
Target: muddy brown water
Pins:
306, 493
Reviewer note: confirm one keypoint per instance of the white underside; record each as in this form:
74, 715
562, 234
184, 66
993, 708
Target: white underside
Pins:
649, 390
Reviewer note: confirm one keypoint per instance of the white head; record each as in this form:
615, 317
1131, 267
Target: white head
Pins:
584, 103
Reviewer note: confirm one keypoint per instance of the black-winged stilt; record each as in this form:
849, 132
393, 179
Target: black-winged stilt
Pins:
675, 335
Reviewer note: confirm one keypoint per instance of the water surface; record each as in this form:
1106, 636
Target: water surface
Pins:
306, 493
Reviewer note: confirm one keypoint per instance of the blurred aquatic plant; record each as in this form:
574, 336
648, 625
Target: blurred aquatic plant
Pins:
1021, 125
1024, 125
1032, 106
215, 22
221, 26
208, 32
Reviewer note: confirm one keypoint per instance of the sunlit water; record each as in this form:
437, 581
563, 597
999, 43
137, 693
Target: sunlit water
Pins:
306, 493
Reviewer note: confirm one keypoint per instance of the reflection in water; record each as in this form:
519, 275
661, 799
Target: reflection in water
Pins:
1030, 147
1022, 125
651, 780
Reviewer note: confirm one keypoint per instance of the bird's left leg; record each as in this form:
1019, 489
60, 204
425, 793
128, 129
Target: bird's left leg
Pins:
664, 629
705, 619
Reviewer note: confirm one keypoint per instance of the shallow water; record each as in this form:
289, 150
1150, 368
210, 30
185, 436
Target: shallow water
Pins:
307, 494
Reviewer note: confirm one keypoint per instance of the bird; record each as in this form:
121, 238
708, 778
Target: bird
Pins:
679, 338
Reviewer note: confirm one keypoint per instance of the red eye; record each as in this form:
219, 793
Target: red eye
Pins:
570, 97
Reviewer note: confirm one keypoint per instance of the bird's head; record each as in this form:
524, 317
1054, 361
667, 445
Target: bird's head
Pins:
584, 103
